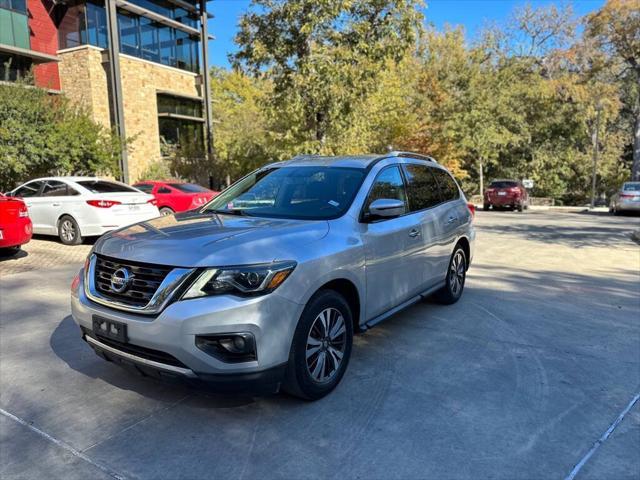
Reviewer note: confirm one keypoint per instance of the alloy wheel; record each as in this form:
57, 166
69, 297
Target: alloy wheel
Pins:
456, 273
67, 231
326, 345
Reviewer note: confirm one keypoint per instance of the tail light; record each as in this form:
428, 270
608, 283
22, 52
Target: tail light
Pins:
472, 210
103, 203
153, 202
23, 212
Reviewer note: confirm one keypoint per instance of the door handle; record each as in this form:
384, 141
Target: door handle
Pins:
451, 219
414, 232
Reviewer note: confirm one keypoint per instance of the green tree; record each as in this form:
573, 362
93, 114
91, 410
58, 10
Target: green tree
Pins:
616, 29
43, 135
323, 58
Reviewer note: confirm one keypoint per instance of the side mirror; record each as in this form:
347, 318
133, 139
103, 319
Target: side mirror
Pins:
386, 208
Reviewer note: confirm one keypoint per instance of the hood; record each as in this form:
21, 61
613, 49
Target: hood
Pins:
209, 240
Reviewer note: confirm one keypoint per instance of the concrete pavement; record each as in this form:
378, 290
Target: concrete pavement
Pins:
518, 380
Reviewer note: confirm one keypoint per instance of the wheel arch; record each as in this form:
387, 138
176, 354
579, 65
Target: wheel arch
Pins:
466, 248
67, 215
350, 292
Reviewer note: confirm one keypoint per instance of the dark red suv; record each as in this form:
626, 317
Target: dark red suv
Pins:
506, 194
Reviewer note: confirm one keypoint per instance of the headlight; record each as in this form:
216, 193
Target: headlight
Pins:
249, 280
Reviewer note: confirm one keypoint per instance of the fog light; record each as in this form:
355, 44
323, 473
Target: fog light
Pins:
231, 348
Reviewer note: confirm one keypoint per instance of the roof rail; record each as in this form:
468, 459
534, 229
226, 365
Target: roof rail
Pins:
417, 156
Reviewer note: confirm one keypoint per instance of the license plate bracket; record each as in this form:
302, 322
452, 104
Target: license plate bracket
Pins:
112, 330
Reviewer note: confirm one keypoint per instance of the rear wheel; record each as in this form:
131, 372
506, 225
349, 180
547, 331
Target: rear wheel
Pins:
520, 207
166, 211
68, 231
486, 207
456, 276
321, 347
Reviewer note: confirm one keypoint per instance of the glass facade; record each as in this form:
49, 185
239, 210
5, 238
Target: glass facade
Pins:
139, 36
13, 68
178, 132
14, 29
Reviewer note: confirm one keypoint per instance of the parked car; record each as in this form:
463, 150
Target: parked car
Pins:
627, 199
77, 207
175, 197
506, 194
15, 224
266, 284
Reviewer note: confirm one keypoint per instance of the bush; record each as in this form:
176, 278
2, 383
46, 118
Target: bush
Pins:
42, 134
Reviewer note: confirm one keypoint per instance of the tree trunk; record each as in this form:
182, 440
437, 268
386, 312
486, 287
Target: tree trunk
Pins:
481, 180
635, 168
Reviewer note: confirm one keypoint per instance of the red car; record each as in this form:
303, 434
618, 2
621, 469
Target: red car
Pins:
15, 224
506, 194
175, 197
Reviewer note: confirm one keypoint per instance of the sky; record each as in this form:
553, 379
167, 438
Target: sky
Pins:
472, 14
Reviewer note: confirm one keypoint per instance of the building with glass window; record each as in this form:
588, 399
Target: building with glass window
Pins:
136, 65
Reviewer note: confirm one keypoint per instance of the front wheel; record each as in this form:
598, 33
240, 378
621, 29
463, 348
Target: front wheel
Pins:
69, 231
456, 276
321, 347
164, 211
486, 207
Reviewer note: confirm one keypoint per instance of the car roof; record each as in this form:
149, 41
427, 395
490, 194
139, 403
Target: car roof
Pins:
72, 179
349, 161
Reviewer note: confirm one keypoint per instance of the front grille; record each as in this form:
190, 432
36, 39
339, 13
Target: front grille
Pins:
146, 280
138, 351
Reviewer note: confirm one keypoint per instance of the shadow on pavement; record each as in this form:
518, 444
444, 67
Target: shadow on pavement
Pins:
572, 235
66, 342
12, 255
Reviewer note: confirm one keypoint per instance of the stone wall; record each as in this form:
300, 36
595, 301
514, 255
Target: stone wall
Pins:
84, 79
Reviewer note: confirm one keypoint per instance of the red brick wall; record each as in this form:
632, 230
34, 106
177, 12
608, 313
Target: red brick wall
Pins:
44, 38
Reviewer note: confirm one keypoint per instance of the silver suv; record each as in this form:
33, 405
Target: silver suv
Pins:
265, 285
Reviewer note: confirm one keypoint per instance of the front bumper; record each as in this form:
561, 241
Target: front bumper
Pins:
164, 346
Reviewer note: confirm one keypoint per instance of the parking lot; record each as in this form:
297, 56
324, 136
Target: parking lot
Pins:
521, 379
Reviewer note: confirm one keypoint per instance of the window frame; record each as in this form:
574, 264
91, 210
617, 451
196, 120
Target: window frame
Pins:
362, 218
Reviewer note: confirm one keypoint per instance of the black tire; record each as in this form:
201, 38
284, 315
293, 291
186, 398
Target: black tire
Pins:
520, 207
486, 207
69, 231
452, 291
166, 211
300, 380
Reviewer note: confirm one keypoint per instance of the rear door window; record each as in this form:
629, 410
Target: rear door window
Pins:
31, 189
144, 187
422, 188
54, 188
104, 186
448, 187
189, 187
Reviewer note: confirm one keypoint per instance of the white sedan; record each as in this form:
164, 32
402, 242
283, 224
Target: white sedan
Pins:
77, 207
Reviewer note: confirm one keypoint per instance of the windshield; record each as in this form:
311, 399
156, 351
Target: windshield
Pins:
189, 187
102, 186
308, 193
503, 184
631, 187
